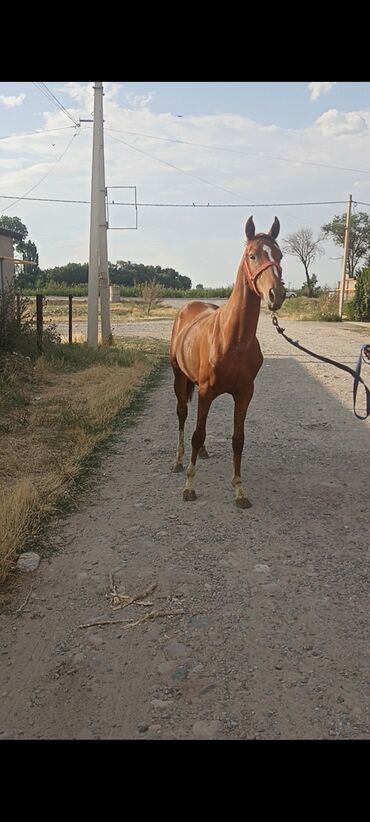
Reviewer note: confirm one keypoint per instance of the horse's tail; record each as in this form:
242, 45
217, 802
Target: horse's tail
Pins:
189, 390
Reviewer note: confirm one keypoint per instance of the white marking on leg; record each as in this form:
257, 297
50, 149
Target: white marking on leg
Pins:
237, 483
190, 474
271, 258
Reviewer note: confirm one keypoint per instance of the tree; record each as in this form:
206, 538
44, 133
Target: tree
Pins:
315, 289
302, 244
15, 224
70, 274
361, 300
359, 238
29, 274
200, 286
128, 273
151, 293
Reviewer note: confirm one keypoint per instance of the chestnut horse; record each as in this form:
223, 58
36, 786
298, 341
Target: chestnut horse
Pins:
216, 348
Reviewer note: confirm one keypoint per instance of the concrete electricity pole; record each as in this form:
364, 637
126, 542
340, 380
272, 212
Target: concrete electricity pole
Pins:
98, 260
345, 255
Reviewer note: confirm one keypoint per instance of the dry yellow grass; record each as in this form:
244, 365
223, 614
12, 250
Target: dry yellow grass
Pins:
46, 442
129, 311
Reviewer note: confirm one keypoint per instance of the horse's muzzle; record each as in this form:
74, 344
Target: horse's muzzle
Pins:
276, 297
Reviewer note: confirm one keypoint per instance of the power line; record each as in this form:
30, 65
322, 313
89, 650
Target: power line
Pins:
34, 133
185, 205
53, 99
42, 178
239, 151
196, 177
45, 199
230, 205
171, 165
50, 96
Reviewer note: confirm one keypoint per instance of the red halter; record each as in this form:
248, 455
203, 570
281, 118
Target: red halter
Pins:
253, 277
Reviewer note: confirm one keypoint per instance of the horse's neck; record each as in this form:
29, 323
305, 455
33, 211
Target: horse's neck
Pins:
241, 312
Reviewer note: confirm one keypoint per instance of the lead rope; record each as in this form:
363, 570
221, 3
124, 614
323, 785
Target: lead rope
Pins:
364, 357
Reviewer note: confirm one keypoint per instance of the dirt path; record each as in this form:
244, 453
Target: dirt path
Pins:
274, 637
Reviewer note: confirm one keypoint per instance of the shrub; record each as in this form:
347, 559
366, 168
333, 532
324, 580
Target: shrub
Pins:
361, 300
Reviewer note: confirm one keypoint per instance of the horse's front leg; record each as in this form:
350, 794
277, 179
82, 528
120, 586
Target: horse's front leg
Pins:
240, 409
197, 442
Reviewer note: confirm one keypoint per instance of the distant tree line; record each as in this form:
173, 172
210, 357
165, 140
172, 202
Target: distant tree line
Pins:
120, 273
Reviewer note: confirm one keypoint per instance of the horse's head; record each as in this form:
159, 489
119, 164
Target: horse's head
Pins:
262, 264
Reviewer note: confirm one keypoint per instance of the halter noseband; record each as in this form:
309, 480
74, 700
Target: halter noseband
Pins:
253, 277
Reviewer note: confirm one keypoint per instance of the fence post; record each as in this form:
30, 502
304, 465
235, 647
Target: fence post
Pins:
70, 298
39, 322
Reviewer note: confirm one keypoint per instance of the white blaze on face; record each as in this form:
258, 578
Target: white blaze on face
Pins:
269, 254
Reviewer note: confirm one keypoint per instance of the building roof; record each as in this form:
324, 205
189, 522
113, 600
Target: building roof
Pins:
6, 232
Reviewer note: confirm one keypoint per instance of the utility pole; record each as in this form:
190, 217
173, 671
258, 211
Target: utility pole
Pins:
345, 255
98, 260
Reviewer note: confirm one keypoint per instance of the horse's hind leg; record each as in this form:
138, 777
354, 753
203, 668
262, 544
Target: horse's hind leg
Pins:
181, 391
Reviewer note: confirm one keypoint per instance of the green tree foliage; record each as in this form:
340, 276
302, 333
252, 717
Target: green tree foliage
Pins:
70, 274
120, 273
128, 273
359, 238
315, 288
302, 244
14, 224
361, 300
29, 274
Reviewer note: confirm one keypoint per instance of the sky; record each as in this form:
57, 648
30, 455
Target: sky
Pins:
246, 148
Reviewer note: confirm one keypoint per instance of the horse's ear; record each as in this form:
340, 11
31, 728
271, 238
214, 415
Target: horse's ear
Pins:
275, 228
250, 229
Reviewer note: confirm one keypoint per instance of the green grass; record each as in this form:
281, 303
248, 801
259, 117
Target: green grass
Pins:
323, 308
15, 380
77, 356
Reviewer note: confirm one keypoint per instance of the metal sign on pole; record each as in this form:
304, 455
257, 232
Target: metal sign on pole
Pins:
347, 232
134, 205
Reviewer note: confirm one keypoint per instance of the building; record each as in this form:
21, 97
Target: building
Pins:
349, 288
7, 269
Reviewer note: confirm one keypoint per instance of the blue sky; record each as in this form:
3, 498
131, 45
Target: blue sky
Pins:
229, 144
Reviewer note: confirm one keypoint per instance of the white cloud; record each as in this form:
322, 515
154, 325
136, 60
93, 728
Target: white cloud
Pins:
334, 123
317, 89
139, 100
12, 101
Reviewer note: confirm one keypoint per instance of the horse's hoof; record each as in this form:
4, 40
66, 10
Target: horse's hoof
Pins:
188, 495
243, 502
177, 468
203, 454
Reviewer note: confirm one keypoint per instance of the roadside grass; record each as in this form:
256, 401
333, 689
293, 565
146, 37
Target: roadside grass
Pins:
56, 416
323, 308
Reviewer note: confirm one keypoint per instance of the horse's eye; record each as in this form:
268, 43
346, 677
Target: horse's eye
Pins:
252, 257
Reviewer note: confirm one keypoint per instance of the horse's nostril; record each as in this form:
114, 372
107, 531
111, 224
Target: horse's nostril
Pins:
272, 295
